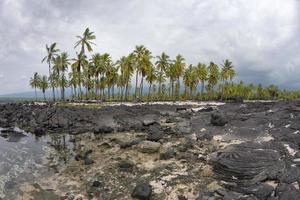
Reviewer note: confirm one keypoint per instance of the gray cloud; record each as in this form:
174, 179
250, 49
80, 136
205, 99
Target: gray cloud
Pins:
260, 37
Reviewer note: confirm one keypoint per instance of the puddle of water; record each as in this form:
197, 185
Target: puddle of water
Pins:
25, 158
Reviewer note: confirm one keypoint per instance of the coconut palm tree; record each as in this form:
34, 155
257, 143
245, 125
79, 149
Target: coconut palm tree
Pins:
126, 66
43, 85
138, 53
85, 41
213, 76
34, 82
146, 64
179, 69
51, 53
202, 75
190, 79
61, 63
151, 77
79, 62
162, 64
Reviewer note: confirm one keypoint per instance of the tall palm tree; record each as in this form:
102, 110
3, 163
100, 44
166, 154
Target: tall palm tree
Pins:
151, 77
85, 41
179, 69
162, 64
61, 63
202, 75
126, 65
190, 79
138, 55
43, 85
146, 64
51, 53
34, 82
213, 76
79, 62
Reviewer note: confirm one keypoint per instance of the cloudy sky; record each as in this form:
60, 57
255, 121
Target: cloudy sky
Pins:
261, 37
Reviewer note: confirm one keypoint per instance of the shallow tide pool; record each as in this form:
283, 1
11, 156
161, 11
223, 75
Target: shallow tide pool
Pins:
26, 159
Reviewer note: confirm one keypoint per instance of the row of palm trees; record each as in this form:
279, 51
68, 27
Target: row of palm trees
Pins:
97, 76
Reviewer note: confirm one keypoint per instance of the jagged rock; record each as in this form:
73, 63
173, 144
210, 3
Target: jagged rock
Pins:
142, 191
245, 166
148, 147
155, 133
218, 119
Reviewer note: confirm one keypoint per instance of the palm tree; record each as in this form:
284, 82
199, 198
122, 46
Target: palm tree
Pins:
79, 64
43, 85
190, 79
162, 64
85, 41
126, 66
61, 63
34, 82
179, 69
202, 75
138, 54
146, 64
171, 74
151, 77
213, 76
51, 53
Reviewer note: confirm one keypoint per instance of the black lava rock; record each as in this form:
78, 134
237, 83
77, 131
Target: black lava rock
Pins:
218, 119
103, 129
88, 161
39, 131
142, 191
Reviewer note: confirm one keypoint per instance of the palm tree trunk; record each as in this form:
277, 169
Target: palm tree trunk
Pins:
51, 81
63, 86
149, 92
202, 87
136, 83
178, 87
141, 87
35, 93
44, 95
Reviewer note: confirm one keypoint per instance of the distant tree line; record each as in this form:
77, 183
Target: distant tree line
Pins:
99, 77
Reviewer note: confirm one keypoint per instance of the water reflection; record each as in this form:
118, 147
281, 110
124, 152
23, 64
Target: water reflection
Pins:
26, 158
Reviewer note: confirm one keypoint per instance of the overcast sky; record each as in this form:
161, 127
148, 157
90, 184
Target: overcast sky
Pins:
261, 37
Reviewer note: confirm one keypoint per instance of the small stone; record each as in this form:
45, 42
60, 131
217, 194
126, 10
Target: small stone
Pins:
148, 147
97, 184
39, 131
126, 165
88, 161
142, 192
168, 154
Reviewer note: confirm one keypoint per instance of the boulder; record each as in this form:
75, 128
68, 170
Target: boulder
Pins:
148, 147
142, 191
154, 133
218, 119
245, 167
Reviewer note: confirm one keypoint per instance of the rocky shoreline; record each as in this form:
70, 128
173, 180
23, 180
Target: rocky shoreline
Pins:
155, 151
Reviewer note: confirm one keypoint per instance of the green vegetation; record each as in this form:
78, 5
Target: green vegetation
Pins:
96, 76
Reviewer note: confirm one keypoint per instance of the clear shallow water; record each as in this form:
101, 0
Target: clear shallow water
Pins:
25, 158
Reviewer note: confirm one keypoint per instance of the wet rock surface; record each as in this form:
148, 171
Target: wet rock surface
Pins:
240, 150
